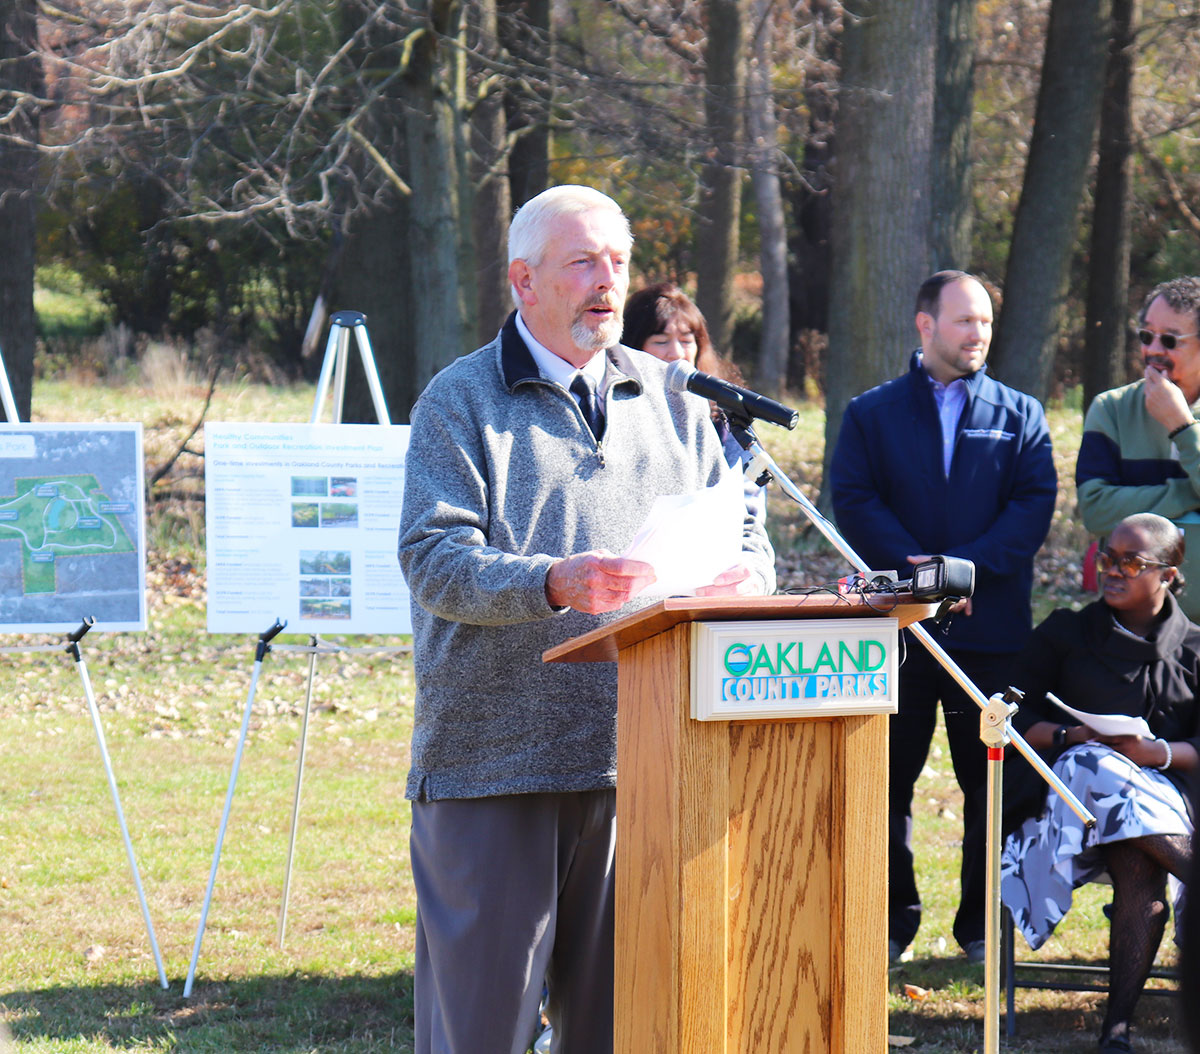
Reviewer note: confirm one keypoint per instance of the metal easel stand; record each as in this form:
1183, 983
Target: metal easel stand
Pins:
334, 365
315, 647
264, 646
337, 358
995, 727
72, 649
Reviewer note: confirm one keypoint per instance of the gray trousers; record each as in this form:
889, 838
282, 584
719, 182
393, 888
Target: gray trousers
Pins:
514, 892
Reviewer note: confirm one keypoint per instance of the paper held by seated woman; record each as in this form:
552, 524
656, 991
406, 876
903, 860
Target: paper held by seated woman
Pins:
1106, 724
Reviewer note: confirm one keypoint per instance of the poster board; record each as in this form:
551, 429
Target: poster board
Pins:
302, 522
72, 527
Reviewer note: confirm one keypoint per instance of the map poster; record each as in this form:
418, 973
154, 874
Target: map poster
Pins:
72, 538
302, 524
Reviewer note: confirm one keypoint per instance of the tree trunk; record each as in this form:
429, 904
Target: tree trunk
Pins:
812, 209
953, 105
375, 277
442, 329
881, 207
720, 176
772, 229
491, 205
1047, 219
20, 84
526, 34
1105, 336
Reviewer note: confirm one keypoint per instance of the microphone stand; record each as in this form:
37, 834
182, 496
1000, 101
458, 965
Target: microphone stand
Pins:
995, 723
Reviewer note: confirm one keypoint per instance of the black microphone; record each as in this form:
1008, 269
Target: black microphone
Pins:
682, 376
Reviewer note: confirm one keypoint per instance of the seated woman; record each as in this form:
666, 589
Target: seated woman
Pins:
1133, 653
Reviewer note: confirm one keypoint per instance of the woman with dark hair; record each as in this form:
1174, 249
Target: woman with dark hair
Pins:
1131, 653
663, 320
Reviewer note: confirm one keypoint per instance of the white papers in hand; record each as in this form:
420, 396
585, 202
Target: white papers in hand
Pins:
1106, 724
689, 539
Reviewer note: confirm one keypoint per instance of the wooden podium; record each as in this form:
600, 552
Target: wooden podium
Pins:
751, 886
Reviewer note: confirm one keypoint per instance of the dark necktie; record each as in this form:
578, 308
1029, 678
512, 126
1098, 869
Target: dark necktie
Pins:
584, 390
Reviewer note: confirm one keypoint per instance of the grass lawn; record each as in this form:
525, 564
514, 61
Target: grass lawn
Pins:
76, 974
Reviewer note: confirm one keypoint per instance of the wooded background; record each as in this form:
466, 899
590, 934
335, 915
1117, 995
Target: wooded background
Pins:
217, 170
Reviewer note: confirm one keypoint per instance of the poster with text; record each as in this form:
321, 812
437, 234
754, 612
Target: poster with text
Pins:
302, 523
72, 538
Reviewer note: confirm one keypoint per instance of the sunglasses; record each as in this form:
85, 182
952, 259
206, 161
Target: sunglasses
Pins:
1167, 340
1130, 565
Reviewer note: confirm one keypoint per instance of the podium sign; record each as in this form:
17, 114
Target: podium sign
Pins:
813, 668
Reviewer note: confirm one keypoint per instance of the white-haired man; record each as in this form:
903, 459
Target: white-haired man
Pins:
532, 461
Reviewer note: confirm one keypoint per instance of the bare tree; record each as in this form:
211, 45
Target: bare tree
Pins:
721, 174
951, 158
492, 195
881, 203
307, 115
1105, 332
1046, 223
764, 154
527, 34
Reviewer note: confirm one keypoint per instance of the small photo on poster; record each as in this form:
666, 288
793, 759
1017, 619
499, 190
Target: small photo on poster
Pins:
331, 609
324, 562
339, 514
306, 514
309, 487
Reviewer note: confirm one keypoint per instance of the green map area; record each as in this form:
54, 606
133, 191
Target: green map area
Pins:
53, 516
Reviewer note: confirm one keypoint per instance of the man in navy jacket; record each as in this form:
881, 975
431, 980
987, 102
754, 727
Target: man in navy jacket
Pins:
946, 460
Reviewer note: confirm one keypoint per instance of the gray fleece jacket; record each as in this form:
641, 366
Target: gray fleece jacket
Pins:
503, 476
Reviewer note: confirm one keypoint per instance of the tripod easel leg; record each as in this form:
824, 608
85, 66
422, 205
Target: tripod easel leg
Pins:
287, 875
81, 666
264, 642
216, 860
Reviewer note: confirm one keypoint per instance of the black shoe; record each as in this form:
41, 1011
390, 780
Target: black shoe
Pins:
1115, 1045
975, 951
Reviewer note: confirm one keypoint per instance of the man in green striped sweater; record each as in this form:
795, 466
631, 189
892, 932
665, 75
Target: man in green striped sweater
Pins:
1141, 443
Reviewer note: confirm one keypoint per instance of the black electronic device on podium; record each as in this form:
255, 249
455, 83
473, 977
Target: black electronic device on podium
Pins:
71, 647
342, 325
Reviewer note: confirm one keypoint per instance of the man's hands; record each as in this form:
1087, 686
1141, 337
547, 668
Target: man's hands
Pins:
735, 582
1165, 401
595, 582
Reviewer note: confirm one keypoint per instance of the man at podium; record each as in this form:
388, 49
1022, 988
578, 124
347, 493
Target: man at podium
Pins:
531, 462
